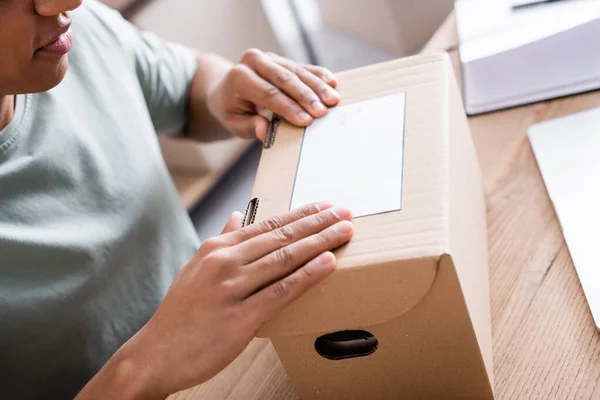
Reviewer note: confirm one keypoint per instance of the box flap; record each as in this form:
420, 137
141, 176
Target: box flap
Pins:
392, 259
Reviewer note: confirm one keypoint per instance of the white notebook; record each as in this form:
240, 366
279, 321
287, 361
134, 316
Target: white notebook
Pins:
568, 154
512, 56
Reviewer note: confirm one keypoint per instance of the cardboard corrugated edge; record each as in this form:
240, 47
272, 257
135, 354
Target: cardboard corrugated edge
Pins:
468, 238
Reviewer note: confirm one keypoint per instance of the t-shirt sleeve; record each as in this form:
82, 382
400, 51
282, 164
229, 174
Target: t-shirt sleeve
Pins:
165, 70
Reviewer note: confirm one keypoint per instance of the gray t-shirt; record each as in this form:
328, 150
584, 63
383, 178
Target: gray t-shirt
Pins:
92, 232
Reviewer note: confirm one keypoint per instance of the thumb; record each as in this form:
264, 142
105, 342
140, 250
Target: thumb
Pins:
250, 127
234, 222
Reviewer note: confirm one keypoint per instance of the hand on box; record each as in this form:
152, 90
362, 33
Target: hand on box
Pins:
235, 283
265, 81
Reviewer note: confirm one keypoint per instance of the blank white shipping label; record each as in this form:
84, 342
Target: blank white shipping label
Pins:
354, 157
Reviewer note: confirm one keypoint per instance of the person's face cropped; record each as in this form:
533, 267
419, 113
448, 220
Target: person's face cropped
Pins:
35, 37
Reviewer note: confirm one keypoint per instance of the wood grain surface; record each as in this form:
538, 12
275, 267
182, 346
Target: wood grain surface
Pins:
545, 342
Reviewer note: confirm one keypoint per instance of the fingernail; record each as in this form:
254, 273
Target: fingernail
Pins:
328, 77
342, 213
304, 117
318, 106
236, 214
326, 258
323, 205
331, 94
343, 228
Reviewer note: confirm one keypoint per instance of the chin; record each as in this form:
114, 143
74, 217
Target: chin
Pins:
52, 75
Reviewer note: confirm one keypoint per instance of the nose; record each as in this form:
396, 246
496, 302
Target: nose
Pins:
49, 8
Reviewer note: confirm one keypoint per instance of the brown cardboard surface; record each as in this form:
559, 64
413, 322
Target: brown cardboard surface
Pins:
420, 226
400, 26
416, 278
420, 356
467, 225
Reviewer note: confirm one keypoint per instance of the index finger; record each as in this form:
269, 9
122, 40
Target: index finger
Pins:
266, 95
314, 78
274, 223
259, 246
323, 73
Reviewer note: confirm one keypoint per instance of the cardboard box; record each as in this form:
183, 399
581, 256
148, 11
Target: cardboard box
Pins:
406, 314
400, 26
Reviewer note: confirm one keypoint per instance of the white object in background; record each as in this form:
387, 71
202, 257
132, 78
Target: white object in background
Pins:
567, 151
354, 157
513, 57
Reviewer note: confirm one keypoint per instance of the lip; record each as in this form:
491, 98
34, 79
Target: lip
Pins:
61, 44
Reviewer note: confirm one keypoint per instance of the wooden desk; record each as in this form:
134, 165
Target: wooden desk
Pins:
545, 343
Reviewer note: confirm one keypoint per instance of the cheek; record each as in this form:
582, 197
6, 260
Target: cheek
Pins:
16, 41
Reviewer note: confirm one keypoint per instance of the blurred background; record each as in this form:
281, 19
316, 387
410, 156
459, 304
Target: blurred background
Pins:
216, 179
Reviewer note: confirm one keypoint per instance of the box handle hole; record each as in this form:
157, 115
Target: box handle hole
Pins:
346, 344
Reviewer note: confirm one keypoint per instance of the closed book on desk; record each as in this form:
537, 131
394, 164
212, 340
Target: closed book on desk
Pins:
512, 57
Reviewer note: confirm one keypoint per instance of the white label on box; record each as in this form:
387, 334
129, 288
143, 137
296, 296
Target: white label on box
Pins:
353, 157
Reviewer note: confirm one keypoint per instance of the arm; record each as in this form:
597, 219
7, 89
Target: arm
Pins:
235, 283
207, 97
125, 376
202, 125
226, 98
